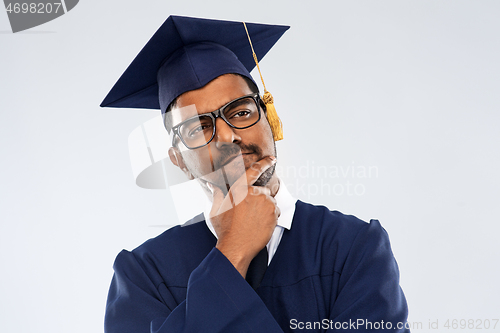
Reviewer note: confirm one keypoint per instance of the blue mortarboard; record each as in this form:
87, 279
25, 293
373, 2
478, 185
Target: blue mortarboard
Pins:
187, 53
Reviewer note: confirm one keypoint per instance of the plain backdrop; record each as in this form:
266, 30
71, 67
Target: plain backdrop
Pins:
405, 90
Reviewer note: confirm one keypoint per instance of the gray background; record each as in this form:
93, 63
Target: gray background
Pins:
408, 87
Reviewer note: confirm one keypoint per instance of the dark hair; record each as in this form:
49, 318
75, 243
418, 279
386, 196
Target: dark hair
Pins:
167, 117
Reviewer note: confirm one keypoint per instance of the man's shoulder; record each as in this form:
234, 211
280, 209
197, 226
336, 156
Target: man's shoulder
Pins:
188, 238
169, 257
321, 217
327, 226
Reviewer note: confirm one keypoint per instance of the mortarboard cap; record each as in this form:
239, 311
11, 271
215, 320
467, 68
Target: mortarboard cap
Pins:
187, 53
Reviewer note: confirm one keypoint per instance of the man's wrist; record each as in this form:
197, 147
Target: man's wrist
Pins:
237, 259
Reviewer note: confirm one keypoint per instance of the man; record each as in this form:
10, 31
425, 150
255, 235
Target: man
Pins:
260, 260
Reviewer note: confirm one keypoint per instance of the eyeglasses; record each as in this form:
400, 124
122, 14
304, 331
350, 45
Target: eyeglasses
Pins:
199, 131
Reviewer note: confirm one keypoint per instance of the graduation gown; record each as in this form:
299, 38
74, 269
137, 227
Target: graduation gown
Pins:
329, 270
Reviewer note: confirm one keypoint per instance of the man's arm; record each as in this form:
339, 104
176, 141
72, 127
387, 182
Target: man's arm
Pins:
218, 300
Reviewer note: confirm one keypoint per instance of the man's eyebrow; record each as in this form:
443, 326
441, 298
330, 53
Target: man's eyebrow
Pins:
232, 105
240, 102
192, 118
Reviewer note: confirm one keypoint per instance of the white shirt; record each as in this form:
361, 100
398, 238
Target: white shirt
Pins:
286, 204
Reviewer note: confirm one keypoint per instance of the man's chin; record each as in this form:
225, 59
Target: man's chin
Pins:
236, 168
265, 177
227, 175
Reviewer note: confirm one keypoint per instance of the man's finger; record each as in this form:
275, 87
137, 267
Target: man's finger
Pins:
255, 171
256, 190
239, 189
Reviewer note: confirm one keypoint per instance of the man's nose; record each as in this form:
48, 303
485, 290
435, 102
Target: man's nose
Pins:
224, 133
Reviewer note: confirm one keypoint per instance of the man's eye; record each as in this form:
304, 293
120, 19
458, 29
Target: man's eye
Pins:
240, 113
200, 129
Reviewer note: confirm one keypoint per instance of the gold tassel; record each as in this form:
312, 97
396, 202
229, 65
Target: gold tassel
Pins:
272, 116
267, 98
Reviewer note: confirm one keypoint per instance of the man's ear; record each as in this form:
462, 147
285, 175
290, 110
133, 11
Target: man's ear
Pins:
263, 106
176, 159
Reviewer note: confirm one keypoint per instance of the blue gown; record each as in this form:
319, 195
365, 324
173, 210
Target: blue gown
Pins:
330, 271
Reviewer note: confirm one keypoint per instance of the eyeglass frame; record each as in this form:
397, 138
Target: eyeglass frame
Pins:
219, 113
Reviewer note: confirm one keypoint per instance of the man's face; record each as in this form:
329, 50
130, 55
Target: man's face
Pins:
231, 151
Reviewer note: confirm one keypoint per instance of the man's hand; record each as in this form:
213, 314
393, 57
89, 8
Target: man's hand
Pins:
245, 218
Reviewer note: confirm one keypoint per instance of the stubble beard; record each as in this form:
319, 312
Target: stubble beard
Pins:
266, 176
224, 176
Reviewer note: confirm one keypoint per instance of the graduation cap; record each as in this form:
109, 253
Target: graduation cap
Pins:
187, 53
